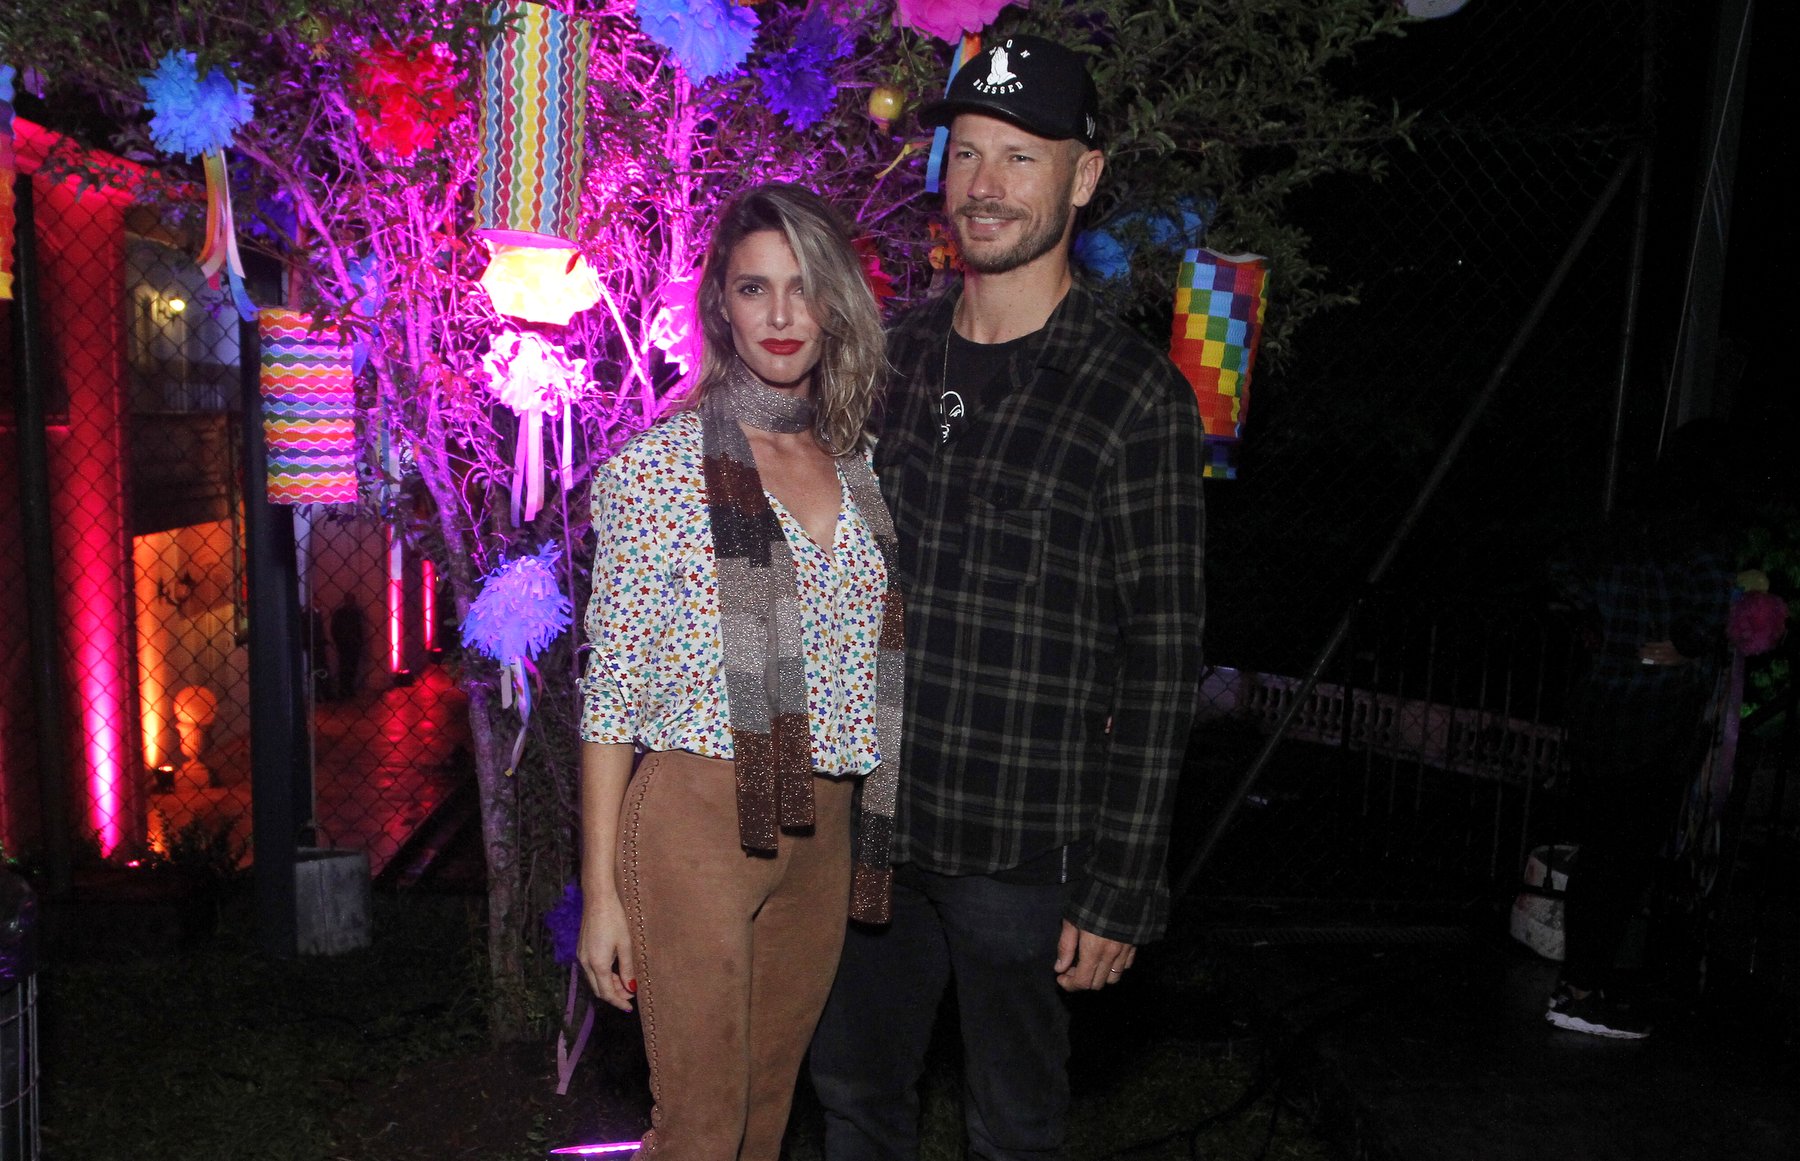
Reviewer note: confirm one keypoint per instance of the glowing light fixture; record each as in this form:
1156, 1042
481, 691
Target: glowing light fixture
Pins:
177, 304
396, 602
428, 571
608, 1150
545, 281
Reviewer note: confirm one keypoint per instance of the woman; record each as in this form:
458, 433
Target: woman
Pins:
742, 604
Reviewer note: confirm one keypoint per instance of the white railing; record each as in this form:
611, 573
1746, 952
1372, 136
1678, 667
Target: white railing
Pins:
1477, 742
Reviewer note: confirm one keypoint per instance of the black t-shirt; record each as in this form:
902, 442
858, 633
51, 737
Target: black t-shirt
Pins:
973, 375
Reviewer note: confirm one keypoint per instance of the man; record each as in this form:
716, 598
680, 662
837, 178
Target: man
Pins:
348, 635
1653, 589
1043, 464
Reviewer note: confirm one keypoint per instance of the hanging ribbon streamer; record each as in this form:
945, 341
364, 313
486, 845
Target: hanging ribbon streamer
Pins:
198, 116
535, 376
940, 137
221, 249
564, 922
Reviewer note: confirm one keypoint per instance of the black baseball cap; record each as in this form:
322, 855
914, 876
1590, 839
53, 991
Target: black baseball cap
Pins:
1036, 84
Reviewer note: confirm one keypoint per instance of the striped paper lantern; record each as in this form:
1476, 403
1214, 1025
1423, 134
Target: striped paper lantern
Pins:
533, 105
1219, 304
309, 412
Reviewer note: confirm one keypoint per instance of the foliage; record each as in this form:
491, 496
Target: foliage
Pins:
1238, 104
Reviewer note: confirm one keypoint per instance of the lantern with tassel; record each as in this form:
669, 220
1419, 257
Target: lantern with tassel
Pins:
1219, 305
309, 412
528, 196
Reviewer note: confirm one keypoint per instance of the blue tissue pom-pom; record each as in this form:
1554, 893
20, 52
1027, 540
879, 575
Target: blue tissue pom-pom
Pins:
191, 115
520, 610
708, 38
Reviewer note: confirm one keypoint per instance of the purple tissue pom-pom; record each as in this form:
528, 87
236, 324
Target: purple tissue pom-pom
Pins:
564, 922
797, 83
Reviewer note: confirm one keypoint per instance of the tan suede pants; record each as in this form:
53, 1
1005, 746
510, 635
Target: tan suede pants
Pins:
735, 953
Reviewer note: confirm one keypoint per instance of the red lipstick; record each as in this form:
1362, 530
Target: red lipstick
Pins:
781, 346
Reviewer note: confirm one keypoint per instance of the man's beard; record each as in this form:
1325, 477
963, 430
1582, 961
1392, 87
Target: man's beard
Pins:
1027, 249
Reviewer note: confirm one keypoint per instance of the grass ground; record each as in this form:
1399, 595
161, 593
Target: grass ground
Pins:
220, 1054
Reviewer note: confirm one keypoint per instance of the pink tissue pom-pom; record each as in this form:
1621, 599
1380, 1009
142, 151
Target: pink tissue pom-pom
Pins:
949, 19
1757, 622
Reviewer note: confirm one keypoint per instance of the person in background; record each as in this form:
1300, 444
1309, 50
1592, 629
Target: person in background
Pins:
1652, 591
349, 633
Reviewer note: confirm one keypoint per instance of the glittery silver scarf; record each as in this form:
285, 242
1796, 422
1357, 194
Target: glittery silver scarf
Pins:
760, 630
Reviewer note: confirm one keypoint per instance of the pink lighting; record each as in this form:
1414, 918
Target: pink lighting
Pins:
396, 602
428, 569
597, 1150
82, 272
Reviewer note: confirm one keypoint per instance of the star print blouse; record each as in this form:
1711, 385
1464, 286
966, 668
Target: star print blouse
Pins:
656, 674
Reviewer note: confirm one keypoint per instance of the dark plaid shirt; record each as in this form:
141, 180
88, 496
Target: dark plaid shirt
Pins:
1625, 715
1051, 554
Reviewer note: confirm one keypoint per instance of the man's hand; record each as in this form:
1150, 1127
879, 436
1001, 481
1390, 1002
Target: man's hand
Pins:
1086, 962
1661, 653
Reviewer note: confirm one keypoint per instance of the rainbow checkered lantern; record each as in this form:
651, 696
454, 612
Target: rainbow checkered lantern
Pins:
1219, 304
528, 195
309, 411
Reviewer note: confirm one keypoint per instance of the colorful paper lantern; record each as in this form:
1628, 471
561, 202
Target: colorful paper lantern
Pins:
533, 115
528, 195
546, 284
309, 411
1219, 305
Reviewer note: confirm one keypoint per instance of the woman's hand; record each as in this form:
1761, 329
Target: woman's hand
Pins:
604, 950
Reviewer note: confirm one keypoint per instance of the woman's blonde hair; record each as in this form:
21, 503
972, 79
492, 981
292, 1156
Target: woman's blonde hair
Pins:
851, 365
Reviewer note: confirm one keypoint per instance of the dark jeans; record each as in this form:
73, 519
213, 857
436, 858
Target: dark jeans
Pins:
998, 942
1634, 760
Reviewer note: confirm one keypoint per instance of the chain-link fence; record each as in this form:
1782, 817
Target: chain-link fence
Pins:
390, 731
1418, 762
183, 434
148, 609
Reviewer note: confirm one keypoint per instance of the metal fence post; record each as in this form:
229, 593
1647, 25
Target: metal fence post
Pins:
279, 766
37, 551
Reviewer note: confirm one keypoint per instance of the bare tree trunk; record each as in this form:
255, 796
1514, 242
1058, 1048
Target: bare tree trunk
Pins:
505, 880
489, 727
